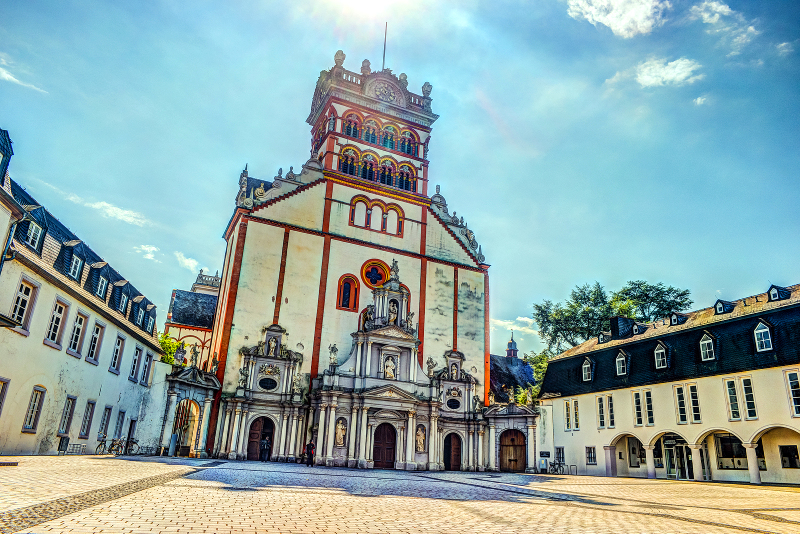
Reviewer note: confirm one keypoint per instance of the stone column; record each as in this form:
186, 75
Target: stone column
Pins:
169, 411
411, 464
223, 442
351, 436
470, 452
362, 439
369, 443
432, 445
480, 450
204, 433
413, 365
649, 459
368, 356
331, 435
235, 432
358, 358
492, 449
320, 460
298, 449
284, 430
697, 465
290, 454
530, 439
611, 460
240, 454
752, 462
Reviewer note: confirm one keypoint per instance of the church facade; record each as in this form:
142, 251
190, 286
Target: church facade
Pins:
353, 307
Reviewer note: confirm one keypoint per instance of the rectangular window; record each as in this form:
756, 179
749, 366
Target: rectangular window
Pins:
137, 355
3, 391
680, 404
749, 398
567, 420
730, 452
86, 424
149, 327
695, 401
560, 454
120, 423
34, 410
591, 456
789, 457
706, 349
637, 409
95, 342
34, 235
601, 415
116, 357
123, 302
610, 411
56, 320
648, 404
76, 338
139, 317
102, 432
793, 382
733, 400
102, 284
23, 304
75, 268
576, 423
66, 416
146, 370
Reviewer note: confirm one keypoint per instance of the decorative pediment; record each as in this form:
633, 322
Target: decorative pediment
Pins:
390, 392
509, 410
195, 377
387, 414
394, 332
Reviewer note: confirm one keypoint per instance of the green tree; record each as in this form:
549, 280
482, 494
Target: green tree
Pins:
651, 301
169, 346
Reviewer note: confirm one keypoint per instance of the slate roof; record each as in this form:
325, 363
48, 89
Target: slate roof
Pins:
192, 309
753, 305
508, 373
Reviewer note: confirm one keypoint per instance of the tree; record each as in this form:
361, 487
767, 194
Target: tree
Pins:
169, 346
587, 311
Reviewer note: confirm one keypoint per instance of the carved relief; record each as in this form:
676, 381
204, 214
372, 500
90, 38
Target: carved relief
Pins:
269, 369
389, 368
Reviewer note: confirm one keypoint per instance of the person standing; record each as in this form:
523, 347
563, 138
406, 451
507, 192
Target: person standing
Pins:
263, 449
310, 451
269, 449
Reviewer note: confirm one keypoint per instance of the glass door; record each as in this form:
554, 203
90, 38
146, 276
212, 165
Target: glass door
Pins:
669, 462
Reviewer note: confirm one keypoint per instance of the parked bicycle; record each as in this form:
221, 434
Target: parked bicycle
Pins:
557, 468
127, 446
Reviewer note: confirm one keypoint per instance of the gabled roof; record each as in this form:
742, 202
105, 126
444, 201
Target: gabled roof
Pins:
192, 309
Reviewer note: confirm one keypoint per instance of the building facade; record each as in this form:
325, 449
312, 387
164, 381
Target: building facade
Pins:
708, 395
190, 318
79, 354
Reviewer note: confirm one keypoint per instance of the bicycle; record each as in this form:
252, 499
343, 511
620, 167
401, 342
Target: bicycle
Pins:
101, 447
556, 468
126, 447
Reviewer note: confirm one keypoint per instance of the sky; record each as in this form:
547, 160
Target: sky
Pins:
582, 140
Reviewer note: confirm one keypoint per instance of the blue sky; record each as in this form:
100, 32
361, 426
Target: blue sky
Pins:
582, 140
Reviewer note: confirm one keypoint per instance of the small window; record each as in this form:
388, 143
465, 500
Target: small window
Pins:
763, 339
34, 409
720, 307
75, 268
56, 320
749, 398
648, 404
66, 416
86, 424
591, 456
94, 343
587, 371
120, 423
76, 338
637, 409
23, 304
621, 367
102, 432
137, 354
674, 320
733, 400
116, 356
793, 382
576, 423
560, 454
660, 357
139, 317
635, 329
610, 411
34, 235
680, 404
102, 284
773, 295
601, 415
149, 327
706, 348
148, 361
3, 391
695, 402
789, 457
567, 418
123, 303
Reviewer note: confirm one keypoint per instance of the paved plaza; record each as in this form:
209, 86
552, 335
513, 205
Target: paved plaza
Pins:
132, 494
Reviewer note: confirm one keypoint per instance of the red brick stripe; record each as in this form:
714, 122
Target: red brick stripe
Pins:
279, 292
455, 309
423, 289
323, 283
486, 358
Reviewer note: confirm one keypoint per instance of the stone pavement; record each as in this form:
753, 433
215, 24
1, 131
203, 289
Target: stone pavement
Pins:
131, 495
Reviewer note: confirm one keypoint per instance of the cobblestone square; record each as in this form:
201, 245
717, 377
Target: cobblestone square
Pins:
127, 495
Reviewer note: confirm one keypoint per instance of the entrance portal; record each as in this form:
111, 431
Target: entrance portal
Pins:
512, 451
262, 428
452, 452
384, 446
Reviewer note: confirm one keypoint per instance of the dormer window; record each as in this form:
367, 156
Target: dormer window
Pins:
635, 329
773, 295
763, 338
75, 268
587, 371
673, 320
101, 287
34, 235
123, 302
139, 317
706, 348
720, 308
621, 366
660, 355
149, 326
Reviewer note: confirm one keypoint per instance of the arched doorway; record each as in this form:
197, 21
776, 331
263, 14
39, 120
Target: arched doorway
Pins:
452, 452
383, 450
512, 451
186, 418
262, 428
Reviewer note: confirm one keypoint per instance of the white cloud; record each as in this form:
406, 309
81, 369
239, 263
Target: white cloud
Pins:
735, 31
700, 100
520, 324
148, 252
186, 263
785, 49
106, 209
657, 72
5, 61
626, 18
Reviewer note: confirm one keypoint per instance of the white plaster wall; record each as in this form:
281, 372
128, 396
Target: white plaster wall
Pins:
471, 325
439, 312
440, 244
304, 209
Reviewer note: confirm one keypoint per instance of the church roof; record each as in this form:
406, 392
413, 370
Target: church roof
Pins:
192, 309
508, 373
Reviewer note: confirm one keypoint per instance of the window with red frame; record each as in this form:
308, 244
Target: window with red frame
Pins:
347, 297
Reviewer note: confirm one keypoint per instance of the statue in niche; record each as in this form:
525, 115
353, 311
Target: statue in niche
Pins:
454, 372
392, 312
420, 439
388, 368
491, 398
243, 374
195, 355
431, 366
340, 432
214, 364
271, 347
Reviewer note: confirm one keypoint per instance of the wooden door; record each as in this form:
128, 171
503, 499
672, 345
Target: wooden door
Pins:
254, 438
383, 452
512, 451
452, 452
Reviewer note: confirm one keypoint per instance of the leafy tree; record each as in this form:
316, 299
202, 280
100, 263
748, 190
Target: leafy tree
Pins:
169, 346
651, 301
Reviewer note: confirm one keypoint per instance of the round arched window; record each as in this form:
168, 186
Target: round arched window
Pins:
453, 404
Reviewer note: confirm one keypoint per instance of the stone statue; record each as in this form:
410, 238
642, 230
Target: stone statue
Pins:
431, 366
296, 383
395, 271
340, 431
454, 372
243, 374
334, 351
388, 368
420, 439
214, 364
392, 313
271, 347
195, 355
491, 398
477, 401
180, 353
426, 90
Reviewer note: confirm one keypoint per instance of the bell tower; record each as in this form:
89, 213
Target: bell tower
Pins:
370, 130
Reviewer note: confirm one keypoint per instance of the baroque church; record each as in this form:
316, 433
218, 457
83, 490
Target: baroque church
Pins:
354, 306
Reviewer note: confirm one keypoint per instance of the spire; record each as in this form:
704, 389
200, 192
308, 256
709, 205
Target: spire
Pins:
385, 31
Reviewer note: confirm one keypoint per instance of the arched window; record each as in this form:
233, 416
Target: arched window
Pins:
376, 219
763, 338
391, 222
586, 369
368, 168
660, 357
706, 348
621, 366
347, 296
358, 214
388, 137
370, 127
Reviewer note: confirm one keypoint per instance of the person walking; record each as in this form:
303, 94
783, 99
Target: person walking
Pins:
310, 451
263, 449
269, 449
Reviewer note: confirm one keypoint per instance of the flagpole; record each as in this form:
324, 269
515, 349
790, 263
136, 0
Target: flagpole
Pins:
385, 30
